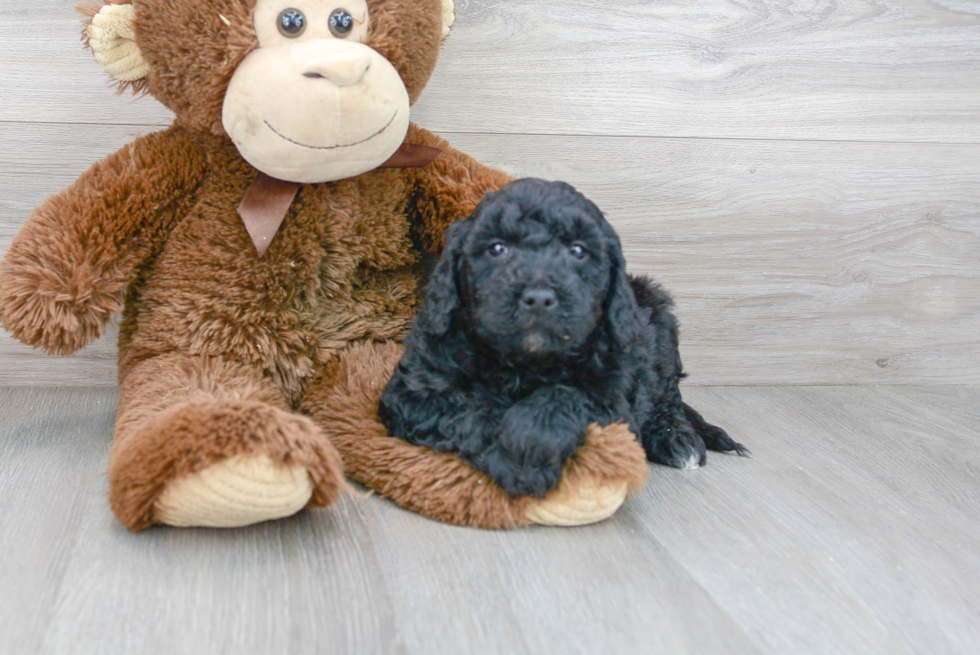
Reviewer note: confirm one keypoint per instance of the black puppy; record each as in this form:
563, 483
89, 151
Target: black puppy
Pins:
530, 331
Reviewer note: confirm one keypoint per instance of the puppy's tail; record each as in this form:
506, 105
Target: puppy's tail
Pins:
714, 437
650, 294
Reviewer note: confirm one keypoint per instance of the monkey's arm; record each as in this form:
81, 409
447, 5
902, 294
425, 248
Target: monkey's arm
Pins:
68, 268
448, 189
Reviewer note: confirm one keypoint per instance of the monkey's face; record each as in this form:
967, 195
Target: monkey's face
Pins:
313, 103
309, 90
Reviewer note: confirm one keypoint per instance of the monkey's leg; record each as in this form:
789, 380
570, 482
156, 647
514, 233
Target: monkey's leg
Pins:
344, 403
205, 442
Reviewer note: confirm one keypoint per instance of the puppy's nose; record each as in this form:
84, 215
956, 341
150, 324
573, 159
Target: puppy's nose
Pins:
539, 300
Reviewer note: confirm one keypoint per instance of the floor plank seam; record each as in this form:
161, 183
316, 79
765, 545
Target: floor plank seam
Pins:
583, 135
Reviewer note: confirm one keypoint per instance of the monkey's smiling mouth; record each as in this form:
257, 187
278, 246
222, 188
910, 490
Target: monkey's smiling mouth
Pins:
344, 145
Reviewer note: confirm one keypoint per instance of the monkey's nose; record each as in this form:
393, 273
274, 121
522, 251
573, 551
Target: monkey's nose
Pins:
344, 64
539, 300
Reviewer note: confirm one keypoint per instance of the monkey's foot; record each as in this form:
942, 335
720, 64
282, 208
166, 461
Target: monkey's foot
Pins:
590, 502
219, 463
596, 480
238, 491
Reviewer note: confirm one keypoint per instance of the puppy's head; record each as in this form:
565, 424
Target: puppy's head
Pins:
534, 271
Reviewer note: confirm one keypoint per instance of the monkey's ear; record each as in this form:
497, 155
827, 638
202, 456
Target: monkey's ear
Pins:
448, 16
112, 39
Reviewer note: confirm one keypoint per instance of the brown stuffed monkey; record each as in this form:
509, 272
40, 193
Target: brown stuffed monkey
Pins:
264, 253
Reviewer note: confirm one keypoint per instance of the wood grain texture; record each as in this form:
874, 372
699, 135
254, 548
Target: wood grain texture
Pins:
854, 505
861, 507
894, 70
53, 450
791, 262
607, 589
855, 528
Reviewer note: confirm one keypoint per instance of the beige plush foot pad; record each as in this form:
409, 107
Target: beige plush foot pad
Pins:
593, 500
237, 491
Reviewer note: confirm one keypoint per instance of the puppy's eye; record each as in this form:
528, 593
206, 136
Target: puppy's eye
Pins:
578, 252
291, 23
497, 249
341, 23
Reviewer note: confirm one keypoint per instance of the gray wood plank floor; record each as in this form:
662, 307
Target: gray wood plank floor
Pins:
854, 529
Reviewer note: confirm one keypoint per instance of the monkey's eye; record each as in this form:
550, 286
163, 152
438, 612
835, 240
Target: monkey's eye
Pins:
291, 23
341, 23
497, 249
578, 252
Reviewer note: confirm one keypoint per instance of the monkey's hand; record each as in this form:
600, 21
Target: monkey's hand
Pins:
59, 309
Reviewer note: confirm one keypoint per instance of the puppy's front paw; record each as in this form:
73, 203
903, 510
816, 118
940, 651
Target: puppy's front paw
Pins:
517, 478
596, 480
533, 445
678, 446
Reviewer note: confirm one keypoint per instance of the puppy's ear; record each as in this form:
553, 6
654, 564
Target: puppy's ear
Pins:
621, 317
442, 294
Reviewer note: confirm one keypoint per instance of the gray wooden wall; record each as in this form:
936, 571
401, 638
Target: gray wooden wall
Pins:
804, 175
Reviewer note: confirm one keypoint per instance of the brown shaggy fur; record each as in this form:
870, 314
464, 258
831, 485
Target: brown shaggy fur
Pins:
344, 402
218, 346
180, 414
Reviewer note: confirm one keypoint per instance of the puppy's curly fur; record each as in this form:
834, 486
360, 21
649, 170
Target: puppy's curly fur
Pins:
530, 331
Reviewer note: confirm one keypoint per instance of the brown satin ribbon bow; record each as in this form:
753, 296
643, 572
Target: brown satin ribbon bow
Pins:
268, 200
